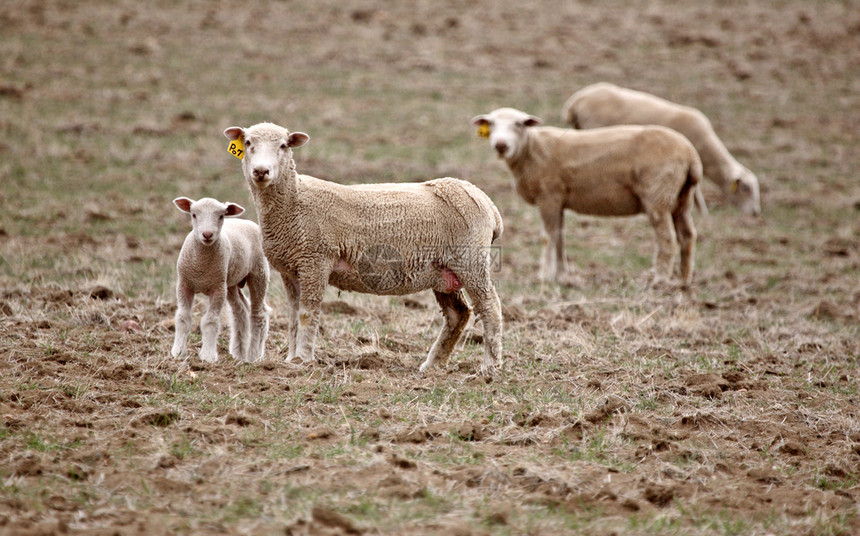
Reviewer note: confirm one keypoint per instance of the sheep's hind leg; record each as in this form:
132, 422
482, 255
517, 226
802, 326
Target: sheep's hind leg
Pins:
662, 223
686, 233
489, 310
292, 288
184, 299
259, 319
210, 326
310, 302
239, 323
455, 314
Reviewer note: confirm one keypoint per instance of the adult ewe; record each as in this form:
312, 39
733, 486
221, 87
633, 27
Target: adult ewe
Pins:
219, 256
384, 239
604, 104
616, 171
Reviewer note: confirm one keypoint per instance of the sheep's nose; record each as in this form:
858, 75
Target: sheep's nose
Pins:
207, 235
501, 147
260, 173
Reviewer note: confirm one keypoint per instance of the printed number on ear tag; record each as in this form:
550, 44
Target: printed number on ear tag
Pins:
237, 149
484, 130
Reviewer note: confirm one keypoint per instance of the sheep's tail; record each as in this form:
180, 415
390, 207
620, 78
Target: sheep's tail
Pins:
694, 182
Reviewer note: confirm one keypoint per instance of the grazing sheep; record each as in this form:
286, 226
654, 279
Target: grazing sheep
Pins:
387, 239
616, 171
604, 104
217, 259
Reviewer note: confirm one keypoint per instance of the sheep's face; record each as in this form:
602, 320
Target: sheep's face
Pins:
267, 151
207, 217
745, 192
507, 130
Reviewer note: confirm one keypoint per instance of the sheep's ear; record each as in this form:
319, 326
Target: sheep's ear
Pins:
479, 120
532, 121
234, 133
183, 203
234, 210
297, 139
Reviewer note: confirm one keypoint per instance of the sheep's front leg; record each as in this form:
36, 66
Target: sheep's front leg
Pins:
292, 287
210, 325
310, 301
239, 324
665, 256
489, 310
455, 314
184, 299
553, 259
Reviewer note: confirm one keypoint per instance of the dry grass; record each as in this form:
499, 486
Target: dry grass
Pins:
731, 409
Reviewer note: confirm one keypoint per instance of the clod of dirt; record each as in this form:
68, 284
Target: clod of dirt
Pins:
513, 313
792, 448
706, 385
328, 517
238, 418
130, 326
339, 307
401, 462
659, 495
101, 292
320, 433
5, 309
158, 417
826, 310
29, 465
499, 515
606, 410
764, 476
411, 303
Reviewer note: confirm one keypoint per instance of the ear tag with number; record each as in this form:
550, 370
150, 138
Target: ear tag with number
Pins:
484, 130
735, 186
236, 148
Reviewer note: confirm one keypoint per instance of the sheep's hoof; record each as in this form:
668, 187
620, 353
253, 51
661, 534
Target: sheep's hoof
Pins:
209, 358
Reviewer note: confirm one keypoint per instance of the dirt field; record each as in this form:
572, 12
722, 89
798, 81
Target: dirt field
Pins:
728, 409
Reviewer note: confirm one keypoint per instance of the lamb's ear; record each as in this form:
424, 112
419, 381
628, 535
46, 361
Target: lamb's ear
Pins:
297, 139
183, 203
234, 210
532, 121
479, 120
234, 133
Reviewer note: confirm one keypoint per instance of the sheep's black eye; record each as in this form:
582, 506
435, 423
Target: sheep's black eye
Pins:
284, 146
194, 216
221, 217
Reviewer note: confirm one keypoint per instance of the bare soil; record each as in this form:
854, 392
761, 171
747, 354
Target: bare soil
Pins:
731, 408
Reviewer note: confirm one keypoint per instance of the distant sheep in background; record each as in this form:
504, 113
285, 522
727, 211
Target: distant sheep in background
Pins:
616, 171
219, 256
604, 104
386, 239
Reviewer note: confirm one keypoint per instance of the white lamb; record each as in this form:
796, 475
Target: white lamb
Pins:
217, 259
373, 238
604, 104
615, 171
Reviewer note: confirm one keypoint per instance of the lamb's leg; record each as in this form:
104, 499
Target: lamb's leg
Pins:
455, 314
257, 287
310, 301
184, 299
553, 259
489, 309
239, 324
686, 233
210, 325
292, 287
665, 256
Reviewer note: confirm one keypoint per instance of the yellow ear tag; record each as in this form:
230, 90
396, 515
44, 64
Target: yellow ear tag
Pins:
236, 148
484, 130
735, 186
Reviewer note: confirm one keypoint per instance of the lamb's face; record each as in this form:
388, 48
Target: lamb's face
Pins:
207, 217
506, 129
745, 192
267, 151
